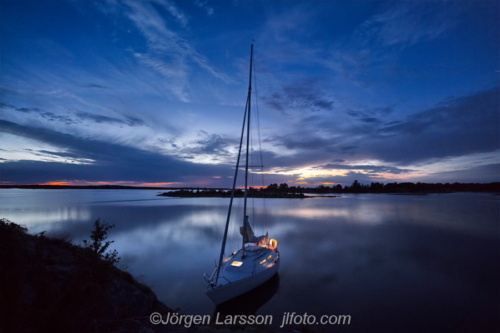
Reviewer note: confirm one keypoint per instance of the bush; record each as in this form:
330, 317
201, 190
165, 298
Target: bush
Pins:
99, 245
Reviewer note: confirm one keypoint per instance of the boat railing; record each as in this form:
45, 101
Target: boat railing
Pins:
223, 277
210, 279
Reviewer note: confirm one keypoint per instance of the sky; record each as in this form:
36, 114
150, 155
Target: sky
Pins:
153, 92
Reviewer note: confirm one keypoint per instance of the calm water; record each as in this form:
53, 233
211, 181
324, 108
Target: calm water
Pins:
394, 263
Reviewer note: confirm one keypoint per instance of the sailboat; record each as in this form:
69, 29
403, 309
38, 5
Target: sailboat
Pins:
258, 259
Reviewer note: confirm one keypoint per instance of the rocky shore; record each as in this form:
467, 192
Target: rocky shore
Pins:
51, 285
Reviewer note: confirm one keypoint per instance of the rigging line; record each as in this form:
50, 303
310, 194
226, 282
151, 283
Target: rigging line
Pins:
257, 116
257, 123
252, 176
247, 110
252, 224
249, 103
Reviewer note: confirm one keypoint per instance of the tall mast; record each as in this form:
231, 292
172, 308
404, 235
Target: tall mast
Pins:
247, 112
249, 100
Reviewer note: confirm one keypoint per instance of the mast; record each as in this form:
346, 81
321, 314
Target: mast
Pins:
249, 101
247, 114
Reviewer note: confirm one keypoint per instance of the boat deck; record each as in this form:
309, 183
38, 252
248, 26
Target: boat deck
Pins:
235, 267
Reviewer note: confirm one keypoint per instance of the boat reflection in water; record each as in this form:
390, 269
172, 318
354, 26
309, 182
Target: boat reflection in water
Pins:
250, 302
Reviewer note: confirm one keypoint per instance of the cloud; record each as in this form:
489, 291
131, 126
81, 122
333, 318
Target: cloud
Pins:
54, 156
372, 54
167, 52
96, 118
60, 154
174, 11
481, 174
289, 25
80, 115
302, 141
457, 126
171, 142
203, 5
50, 116
211, 144
367, 168
409, 22
5, 105
371, 116
148, 63
93, 85
301, 96
111, 162
27, 110
347, 179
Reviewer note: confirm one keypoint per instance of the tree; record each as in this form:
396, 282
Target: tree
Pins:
283, 187
272, 187
99, 245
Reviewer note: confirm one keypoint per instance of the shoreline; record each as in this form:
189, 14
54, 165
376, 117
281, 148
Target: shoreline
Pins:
286, 192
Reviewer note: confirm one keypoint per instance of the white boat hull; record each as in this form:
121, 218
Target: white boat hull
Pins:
225, 292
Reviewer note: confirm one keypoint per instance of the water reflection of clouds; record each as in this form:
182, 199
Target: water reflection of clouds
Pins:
361, 215
151, 238
455, 212
47, 218
202, 219
360, 252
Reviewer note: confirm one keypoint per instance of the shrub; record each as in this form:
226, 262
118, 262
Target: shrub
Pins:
98, 243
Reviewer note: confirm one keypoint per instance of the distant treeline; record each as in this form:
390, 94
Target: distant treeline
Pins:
406, 187
285, 191
252, 193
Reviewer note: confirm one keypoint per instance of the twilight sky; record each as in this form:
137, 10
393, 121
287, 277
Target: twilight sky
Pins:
153, 92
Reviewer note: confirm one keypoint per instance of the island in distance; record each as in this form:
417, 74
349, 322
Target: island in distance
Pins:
269, 192
285, 191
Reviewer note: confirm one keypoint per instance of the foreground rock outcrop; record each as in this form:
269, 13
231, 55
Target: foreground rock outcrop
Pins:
51, 285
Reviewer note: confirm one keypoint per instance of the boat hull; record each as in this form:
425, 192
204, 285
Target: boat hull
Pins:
223, 293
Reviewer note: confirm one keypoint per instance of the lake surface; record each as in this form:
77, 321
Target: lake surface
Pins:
393, 263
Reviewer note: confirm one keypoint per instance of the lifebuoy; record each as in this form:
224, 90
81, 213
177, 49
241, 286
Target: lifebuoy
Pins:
273, 244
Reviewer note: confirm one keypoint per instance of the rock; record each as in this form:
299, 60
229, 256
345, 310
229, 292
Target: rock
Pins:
51, 285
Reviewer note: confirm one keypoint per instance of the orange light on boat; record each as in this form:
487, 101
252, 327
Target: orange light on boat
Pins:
236, 263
